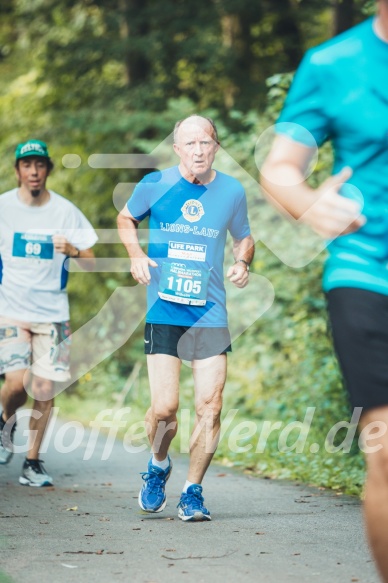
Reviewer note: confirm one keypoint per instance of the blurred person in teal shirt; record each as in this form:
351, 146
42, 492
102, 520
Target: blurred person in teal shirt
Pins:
340, 93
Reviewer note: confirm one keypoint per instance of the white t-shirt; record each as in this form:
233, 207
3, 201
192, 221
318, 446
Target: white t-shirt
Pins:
33, 276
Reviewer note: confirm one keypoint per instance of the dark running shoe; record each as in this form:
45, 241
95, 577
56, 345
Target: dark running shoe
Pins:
152, 496
6, 440
191, 508
34, 474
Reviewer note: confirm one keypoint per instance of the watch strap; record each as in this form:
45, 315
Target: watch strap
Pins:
243, 261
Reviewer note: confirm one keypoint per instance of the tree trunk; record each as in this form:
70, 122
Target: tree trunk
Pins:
343, 18
133, 28
287, 27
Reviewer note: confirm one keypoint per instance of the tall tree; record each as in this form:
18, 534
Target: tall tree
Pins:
344, 15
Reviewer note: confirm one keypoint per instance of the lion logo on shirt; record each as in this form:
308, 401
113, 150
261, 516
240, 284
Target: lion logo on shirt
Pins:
192, 210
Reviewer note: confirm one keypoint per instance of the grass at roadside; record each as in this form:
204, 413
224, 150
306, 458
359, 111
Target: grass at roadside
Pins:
4, 578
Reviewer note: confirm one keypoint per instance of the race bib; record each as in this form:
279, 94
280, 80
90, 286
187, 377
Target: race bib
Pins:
183, 285
32, 246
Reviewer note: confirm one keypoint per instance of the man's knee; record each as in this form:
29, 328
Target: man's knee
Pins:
210, 405
374, 443
14, 382
164, 411
377, 465
42, 389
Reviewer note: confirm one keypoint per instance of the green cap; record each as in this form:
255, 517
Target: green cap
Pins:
31, 148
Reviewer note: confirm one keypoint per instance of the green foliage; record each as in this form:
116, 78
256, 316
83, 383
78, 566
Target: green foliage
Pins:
368, 7
113, 77
5, 578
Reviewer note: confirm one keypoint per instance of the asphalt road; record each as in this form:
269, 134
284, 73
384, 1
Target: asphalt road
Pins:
89, 528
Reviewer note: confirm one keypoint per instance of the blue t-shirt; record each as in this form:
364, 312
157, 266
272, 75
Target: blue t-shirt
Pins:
188, 226
340, 93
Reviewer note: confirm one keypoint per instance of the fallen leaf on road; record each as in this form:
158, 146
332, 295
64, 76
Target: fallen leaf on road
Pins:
69, 566
73, 509
89, 534
198, 557
100, 552
259, 532
136, 529
221, 475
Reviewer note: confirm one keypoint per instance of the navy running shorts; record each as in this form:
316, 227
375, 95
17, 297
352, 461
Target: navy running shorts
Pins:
185, 342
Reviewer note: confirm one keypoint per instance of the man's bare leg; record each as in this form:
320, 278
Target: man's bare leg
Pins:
13, 393
13, 396
209, 381
42, 389
376, 489
163, 374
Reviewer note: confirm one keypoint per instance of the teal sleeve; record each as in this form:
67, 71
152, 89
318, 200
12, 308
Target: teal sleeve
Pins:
305, 116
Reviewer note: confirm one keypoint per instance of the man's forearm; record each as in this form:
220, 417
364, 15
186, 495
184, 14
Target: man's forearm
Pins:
324, 209
244, 249
128, 234
85, 259
284, 185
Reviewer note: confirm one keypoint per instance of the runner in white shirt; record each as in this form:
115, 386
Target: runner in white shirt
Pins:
39, 231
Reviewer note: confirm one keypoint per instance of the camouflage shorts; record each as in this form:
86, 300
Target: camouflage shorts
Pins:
42, 348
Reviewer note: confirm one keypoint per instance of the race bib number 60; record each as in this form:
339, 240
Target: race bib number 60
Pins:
183, 285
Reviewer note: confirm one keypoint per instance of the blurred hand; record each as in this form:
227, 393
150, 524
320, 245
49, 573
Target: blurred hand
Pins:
332, 214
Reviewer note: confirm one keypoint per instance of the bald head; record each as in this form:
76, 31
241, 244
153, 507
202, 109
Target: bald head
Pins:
205, 123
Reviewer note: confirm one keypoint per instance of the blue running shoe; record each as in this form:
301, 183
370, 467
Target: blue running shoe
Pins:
191, 506
152, 497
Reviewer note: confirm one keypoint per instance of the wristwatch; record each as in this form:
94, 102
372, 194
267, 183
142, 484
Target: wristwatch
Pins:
243, 261
76, 255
